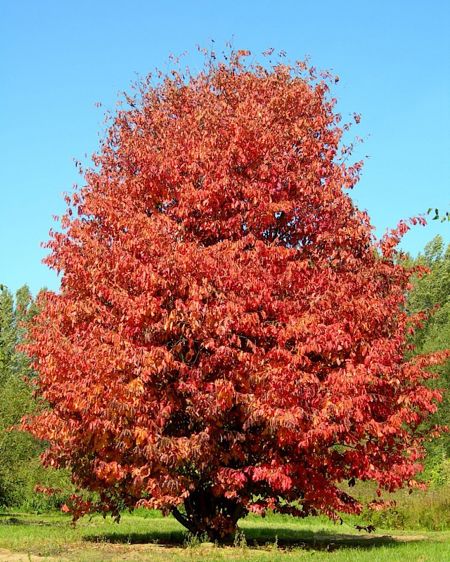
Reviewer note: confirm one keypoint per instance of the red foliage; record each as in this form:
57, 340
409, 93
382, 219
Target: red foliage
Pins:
228, 335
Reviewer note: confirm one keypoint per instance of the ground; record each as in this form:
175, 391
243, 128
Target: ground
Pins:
148, 536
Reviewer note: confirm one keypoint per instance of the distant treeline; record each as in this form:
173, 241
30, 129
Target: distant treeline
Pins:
20, 468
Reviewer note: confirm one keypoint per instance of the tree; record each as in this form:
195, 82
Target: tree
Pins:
7, 333
16, 448
431, 294
228, 336
20, 467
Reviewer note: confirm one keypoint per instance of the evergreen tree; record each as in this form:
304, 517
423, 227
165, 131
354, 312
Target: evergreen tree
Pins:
7, 334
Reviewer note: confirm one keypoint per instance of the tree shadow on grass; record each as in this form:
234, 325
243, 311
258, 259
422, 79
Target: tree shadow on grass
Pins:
315, 540
160, 537
284, 538
16, 519
263, 536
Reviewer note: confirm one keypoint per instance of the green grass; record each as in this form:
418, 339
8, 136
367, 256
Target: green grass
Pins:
148, 536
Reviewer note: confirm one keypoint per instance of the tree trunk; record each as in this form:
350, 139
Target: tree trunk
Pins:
206, 514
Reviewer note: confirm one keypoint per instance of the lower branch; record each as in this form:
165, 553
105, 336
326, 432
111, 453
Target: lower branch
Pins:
187, 523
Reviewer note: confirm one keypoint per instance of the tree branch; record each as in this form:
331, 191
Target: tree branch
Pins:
183, 520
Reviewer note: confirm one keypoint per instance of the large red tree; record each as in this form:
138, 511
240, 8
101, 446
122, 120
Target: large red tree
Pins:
229, 336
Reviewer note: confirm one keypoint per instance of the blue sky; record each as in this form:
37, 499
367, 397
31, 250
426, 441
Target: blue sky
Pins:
57, 58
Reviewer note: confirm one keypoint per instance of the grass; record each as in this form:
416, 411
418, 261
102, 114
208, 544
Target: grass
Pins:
149, 536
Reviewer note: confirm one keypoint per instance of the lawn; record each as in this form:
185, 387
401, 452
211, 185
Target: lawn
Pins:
148, 536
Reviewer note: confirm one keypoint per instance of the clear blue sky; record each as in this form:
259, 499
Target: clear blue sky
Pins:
57, 58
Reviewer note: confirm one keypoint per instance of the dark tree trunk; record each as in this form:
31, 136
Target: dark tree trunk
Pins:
206, 514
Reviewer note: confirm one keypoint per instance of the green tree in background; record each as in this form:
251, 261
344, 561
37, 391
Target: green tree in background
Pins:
432, 293
16, 448
7, 334
20, 467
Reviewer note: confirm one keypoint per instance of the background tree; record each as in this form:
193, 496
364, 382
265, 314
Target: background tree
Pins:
431, 293
227, 336
16, 449
7, 333
20, 468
